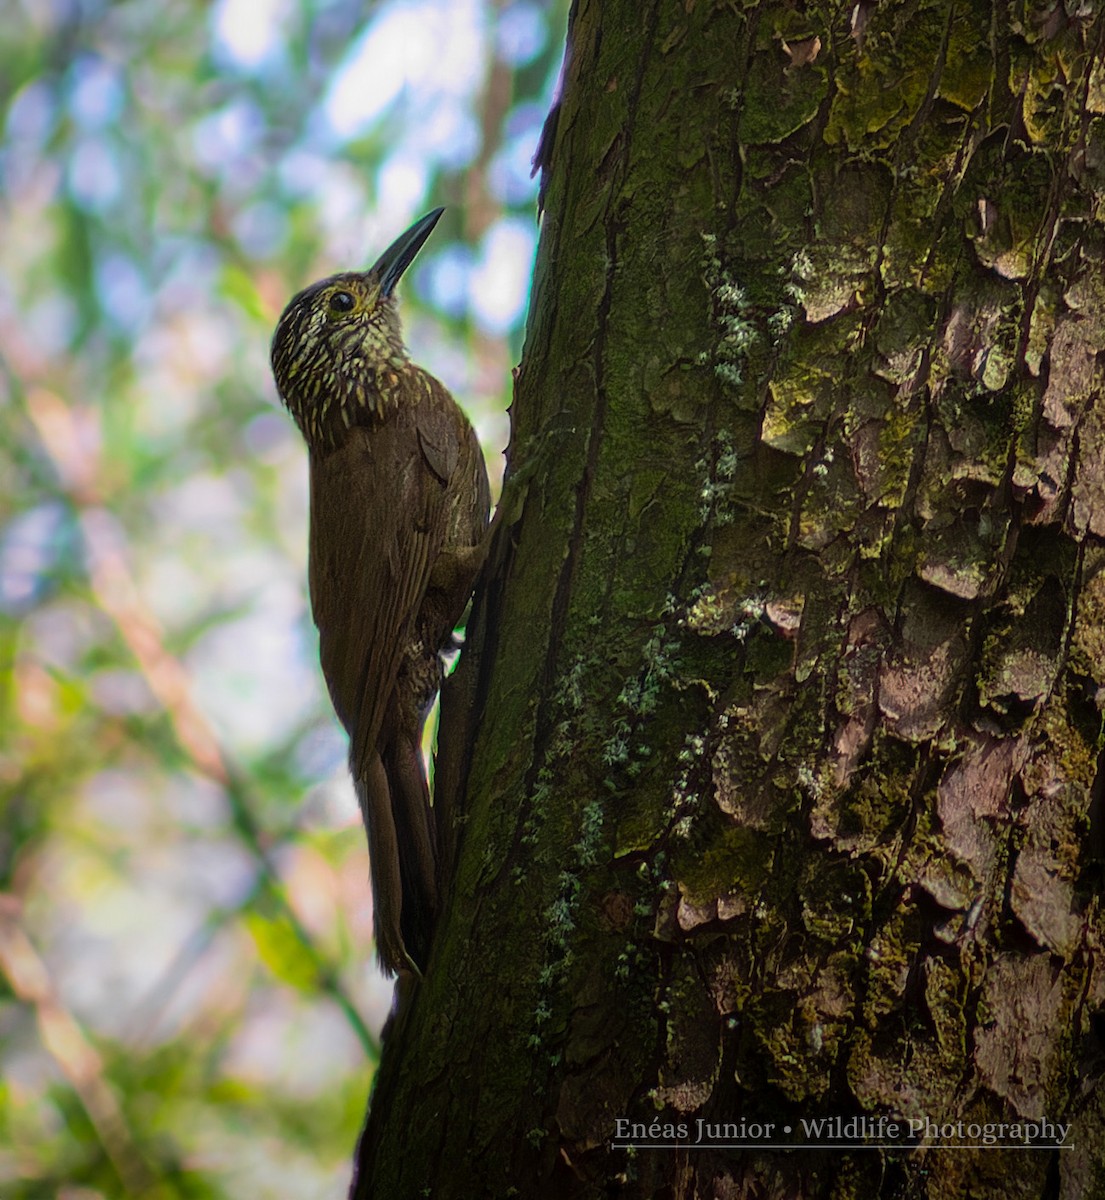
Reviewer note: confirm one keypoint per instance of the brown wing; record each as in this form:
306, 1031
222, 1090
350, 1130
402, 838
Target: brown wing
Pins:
453, 453
376, 529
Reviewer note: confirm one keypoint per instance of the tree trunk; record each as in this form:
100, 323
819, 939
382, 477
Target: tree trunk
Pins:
785, 796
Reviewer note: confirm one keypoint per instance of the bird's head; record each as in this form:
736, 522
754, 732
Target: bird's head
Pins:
338, 352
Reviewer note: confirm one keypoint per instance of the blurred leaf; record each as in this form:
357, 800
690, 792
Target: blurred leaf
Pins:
281, 950
239, 287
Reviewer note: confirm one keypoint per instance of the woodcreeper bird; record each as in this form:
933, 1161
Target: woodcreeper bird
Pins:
399, 509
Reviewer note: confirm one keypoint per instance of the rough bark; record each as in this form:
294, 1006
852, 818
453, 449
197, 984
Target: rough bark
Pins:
785, 797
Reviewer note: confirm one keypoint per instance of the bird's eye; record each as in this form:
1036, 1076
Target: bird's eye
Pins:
341, 302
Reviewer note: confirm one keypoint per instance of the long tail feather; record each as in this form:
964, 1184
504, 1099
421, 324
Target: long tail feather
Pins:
410, 806
374, 797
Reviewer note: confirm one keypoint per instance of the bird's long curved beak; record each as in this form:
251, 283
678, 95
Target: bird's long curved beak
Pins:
390, 266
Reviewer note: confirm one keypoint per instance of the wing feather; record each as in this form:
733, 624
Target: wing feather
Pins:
376, 529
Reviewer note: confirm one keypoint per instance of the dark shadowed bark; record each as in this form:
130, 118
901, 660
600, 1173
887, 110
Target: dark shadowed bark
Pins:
786, 679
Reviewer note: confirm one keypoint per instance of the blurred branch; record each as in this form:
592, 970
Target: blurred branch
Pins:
72, 441
482, 208
70, 1048
201, 938
69, 446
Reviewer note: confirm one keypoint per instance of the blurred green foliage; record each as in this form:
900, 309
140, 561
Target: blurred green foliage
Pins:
188, 1005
